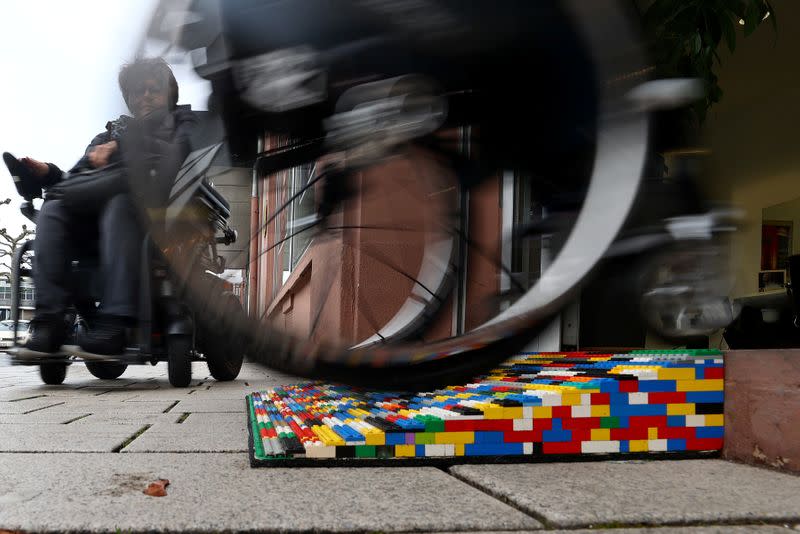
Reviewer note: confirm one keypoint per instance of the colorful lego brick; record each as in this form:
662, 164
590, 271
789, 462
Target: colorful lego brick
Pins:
535, 404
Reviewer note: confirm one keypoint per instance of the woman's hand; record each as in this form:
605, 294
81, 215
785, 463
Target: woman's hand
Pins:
100, 155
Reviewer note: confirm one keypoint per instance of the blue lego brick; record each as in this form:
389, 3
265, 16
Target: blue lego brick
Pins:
488, 437
492, 449
419, 450
638, 409
608, 385
395, 438
676, 444
676, 420
704, 396
710, 431
624, 446
556, 435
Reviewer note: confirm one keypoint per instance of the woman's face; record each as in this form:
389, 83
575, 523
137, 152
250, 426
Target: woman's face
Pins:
148, 96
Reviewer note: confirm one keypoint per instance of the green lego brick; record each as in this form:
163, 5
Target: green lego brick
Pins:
365, 451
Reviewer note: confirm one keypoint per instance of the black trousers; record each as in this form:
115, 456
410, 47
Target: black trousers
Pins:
111, 232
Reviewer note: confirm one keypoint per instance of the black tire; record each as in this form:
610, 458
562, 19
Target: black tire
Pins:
179, 360
224, 355
53, 373
106, 370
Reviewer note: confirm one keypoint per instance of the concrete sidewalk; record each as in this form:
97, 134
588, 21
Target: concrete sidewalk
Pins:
77, 457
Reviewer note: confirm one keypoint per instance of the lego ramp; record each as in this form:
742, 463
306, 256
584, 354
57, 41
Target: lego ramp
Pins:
535, 407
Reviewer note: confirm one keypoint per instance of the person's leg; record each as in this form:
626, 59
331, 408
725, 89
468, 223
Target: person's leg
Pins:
55, 230
121, 240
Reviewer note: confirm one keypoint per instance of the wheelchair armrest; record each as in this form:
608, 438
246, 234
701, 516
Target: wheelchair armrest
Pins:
27, 209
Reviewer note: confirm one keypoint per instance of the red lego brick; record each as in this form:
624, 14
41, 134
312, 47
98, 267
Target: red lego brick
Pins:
629, 433
676, 432
628, 386
704, 444
523, 436
647, 421
713, 372
566, 447
580, 422
562, 412
669, 397
600, 399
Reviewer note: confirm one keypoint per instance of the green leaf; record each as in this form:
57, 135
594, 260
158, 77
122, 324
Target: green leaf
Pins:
729, 32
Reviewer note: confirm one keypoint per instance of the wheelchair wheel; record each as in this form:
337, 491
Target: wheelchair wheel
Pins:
399, 161
224, 353
106, 370
53, 373
179, 360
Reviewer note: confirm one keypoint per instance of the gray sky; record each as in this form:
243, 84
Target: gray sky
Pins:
59, 65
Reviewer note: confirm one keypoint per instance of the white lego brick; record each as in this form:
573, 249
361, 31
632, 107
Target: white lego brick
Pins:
437, 450
655, 445
553, 399
695, 420
527, 412
449, 449
523, 424
324, 451
601, 446
527, 448
581, 411
637, 398
586, 399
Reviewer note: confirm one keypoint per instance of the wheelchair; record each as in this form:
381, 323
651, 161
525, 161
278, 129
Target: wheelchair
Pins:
168, 328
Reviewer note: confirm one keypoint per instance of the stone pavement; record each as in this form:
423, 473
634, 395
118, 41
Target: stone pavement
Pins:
77, 457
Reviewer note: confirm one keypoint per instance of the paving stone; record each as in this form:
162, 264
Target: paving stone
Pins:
198, 437
192, 405
38, 418
138, 419
643, 492
49, 437
99, 405
220, 492
28, 405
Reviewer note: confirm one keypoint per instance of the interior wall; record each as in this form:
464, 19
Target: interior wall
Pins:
752, 133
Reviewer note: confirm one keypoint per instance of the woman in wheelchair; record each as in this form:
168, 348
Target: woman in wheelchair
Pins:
94, 206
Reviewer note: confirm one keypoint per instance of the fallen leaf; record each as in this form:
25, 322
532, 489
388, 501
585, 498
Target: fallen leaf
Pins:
157, 488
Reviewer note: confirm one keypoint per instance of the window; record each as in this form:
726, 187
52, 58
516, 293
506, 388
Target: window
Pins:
5, 291
293, 226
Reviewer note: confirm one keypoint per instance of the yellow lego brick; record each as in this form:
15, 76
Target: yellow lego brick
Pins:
514, 412
542, 412
715, 420
571, 399
680, 409
459, 449
652, 433
454, 437
376, 438
601, 410
676, 373
637, 445
404, 450
492, 412
700, 385
601, 434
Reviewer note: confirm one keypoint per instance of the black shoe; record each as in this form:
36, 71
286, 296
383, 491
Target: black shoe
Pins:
28, 185
106, 335
46, 337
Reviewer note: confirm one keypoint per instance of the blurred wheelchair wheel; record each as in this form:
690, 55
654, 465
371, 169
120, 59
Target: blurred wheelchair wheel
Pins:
401, 126
179, 360
106, 370
53, 373
223, 351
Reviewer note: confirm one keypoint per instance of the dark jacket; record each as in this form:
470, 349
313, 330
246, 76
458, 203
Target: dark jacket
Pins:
167, 137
